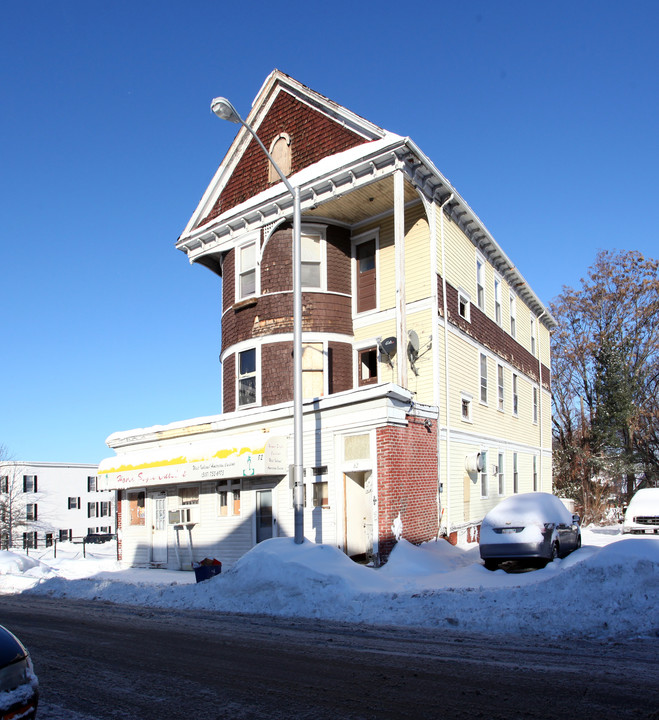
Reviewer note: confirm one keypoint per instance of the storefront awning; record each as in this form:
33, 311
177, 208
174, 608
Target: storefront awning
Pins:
229, 457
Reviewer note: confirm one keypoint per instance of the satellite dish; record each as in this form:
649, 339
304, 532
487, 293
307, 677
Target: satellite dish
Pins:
388, 346
413, 344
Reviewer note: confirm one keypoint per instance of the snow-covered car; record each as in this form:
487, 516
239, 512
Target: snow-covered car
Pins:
535, 526
642, 514
19, 687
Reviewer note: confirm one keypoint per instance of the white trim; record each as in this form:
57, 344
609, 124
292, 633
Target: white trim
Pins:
480, 282
248, 239
258, 375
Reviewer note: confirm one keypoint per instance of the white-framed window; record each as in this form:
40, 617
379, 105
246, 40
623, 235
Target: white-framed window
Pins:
497, 299
367, 366
321, 494
74, 503
484, 475
313, 366
29, 540
515, 473
4, 484
515, 382
533, 337
228, 497
535, 473
31, 514
480, 282
500, 387
91, 483
502, 479
312, 261
513, 315
106, 508
535, 405
464, 305
246, 268
465, 407
65, 535
483, 378
92, 509
365, 276
29, 483
188, 506
246, 385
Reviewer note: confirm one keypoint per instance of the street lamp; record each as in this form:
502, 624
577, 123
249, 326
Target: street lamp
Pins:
226, 111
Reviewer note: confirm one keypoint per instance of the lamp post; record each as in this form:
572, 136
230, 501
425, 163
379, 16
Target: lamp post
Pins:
226, 111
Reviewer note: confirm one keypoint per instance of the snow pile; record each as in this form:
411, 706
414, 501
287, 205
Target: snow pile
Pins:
606, 589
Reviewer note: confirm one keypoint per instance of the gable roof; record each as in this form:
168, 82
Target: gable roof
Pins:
317, 126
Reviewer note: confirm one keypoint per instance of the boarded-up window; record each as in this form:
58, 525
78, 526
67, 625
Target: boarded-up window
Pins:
313, 363
366, 276
136, 508
228, 492
357, 447
280, 149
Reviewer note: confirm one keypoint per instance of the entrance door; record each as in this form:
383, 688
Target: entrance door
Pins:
264, 515
358, 520
158, 527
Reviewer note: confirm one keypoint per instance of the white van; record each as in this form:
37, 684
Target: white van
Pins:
642, 514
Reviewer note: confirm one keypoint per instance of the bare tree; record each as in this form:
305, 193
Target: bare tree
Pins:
13, 501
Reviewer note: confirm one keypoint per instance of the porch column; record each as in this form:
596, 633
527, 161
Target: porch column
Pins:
399, 244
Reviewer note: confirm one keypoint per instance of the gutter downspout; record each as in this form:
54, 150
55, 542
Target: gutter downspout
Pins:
540, 397
447, 476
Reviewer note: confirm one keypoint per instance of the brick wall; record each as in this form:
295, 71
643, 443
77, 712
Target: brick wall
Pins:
313, 137
407, 482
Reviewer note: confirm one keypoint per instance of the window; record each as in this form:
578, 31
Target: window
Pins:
313, 363
92, 510
65, 535
29, 483
483, 366
280, 150
49, 540
106, 509
29, 540
311, 261
515, 474
464, 305
246, 282
368, 366
497, 300
466, 407
136, 511
515, 396
535, 473
320, 494
484, 476
502, 481
535, 405
91, 484
31, 512
189, 495
247, 377
366, 281
500, 386
228, 498
513, 315
533, 341
480, 283
74, 503
4, 484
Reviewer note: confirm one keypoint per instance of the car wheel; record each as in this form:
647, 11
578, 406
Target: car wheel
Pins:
491, 564
578, 542
554, 552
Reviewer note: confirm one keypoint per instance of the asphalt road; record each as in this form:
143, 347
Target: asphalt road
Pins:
98, 661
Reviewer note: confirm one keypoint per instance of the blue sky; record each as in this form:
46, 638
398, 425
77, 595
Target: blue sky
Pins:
542, 115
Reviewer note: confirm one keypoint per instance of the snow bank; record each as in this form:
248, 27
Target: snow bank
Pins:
607, 589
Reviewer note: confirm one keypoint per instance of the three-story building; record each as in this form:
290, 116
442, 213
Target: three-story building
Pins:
425, 365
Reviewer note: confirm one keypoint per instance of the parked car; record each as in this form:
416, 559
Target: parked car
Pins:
642, 513
19, 687
535, 526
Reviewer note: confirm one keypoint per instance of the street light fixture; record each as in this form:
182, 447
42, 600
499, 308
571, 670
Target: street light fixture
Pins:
226, 111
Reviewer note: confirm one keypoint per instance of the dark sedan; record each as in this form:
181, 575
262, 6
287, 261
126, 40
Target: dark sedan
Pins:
535, 526
19, 687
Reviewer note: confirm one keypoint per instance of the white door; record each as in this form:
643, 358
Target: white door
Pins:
158, 527
358, 514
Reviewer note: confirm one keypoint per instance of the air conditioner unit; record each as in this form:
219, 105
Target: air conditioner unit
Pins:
183, 516
474, 463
